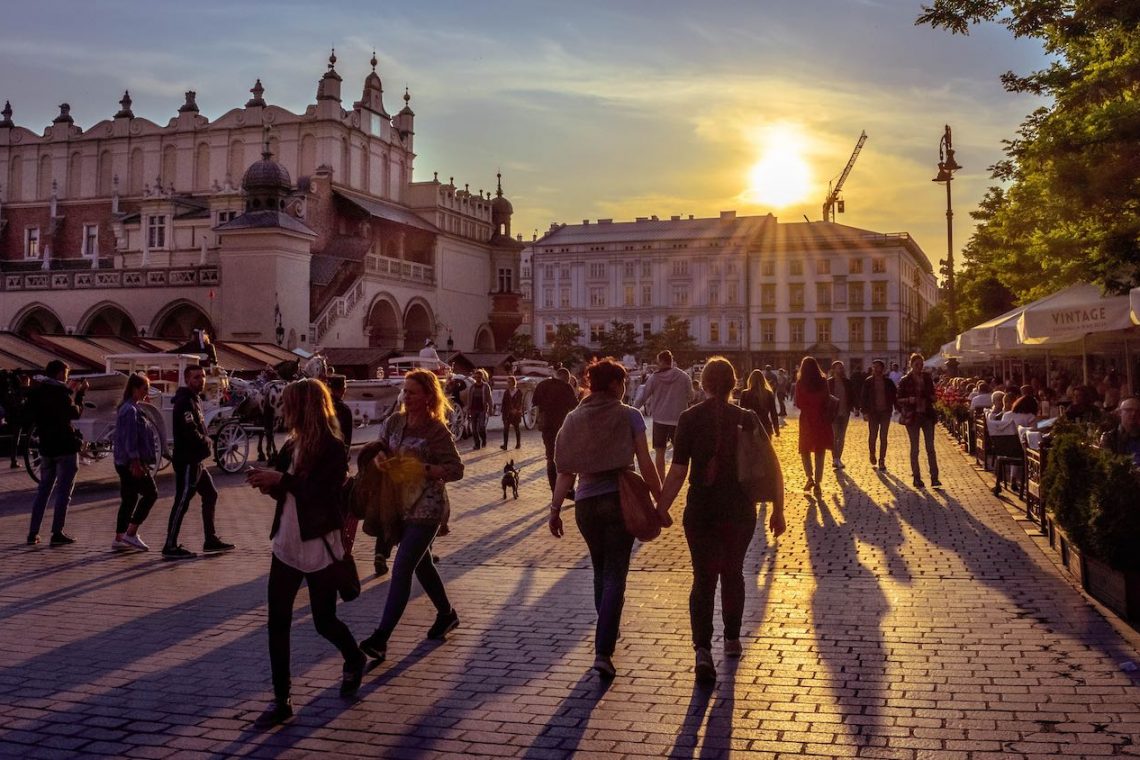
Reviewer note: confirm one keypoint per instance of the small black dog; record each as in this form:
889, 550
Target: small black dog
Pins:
510, 479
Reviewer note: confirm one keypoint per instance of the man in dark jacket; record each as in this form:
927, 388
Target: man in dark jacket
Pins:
191, 449
839, 386
337, 386
1125, 438
555, 398
915, 402
877, 400
52, 406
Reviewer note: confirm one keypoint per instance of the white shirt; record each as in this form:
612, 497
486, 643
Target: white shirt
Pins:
307, 556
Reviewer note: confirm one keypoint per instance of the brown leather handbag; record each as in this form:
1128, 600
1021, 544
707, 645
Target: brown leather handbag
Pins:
637, 509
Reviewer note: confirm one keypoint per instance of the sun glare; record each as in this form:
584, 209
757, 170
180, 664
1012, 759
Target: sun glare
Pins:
781, 177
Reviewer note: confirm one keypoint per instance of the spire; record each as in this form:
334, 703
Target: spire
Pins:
329, 87
7, 114
332, 61
499, 192
125, 111
373, 61
257, 91
407, 109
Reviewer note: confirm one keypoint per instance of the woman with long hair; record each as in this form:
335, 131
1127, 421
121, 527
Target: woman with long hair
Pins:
759, 397
135, 450
599, 438
719, 517
816, 436
419, 430
307, 536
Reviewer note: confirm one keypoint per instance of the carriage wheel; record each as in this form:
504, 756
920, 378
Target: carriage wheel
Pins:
32, 457
97, 450
530, 412
458, 422
231, 447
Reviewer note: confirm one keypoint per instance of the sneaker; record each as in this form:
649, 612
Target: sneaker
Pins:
919, 484
808, 486
279, 712
704, 670
136, 542
935, 483
119, 545
443, 625
605, 666
503, 447
177, 552
375, 646
873, 460
216, 545
351, 677
61, 539
380, 565
733, 648
33, 539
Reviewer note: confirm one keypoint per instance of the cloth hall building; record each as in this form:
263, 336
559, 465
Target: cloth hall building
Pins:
752, 288
260, 225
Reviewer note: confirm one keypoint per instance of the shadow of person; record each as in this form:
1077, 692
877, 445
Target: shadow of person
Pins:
567, 726
848, 607
873, 522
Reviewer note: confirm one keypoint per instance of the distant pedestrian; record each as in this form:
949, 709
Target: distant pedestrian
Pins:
878, 403
719, 517
554, 398
512, 412
915, 402
816, 435
136, 446
479, 403
895, 374
761, 399
307, 537
337, 386
419, 430
783, 382
601, 437
841, 387
191, 476
52, 407
666, 394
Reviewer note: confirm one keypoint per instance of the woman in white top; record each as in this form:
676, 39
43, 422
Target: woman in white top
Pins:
307, 536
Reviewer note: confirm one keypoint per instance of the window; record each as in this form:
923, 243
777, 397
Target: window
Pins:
597, 331
878, 295
565, 273
548, 298
855, 327
796, 268
564, 298
731, 292
767, 331
525, 272
854, 266
768, 268
31, 242
629, 269
732, 269
597, 296
548, 271
598, 270
505, 281
796, 296
680, 295
823, 331
855, 295
226, 216
628, 296
646, 268
714, 268
646, 330
156, 231
768, 296
714, 332
878, 265
91, 240
733, 332
680, 267
823, 266
646, 295
879, 331
823, 296
548, 333
796, 331
714, 293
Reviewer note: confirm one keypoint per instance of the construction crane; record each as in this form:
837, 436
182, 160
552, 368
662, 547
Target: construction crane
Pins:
834, 202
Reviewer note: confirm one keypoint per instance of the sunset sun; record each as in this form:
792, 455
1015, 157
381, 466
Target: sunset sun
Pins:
781, 177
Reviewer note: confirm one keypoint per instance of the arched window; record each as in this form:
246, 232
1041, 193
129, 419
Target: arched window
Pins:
135, 172
202, 167
105, 170
43, 186
169, 166
74, 175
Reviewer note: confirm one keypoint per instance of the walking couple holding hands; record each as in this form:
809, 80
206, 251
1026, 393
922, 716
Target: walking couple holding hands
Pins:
604, 436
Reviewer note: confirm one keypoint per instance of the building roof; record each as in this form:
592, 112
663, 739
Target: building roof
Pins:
383, 210
323, 269
829, 235
726, 227
271, 219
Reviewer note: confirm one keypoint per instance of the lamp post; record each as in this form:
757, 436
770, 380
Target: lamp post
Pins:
946, 168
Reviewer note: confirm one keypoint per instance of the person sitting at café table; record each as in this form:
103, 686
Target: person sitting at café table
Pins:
982, 398
1125, 437
1083, 407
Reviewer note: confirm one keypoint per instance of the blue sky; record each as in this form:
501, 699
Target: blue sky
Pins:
591, 109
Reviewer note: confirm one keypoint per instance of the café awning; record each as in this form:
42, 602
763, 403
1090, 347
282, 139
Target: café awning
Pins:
1071, 314
1134, 305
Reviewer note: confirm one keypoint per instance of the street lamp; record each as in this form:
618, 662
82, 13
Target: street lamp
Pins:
946, 168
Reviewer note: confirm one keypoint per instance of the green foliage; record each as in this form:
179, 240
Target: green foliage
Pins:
934, 331
674, 337
1069, 209
619, 340
521, 345
564, 348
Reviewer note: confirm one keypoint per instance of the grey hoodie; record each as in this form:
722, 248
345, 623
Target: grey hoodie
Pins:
666, 395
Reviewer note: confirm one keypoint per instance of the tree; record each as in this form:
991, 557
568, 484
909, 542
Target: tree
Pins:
619, 340
1069, 207
564, 349
521, 345
676, 338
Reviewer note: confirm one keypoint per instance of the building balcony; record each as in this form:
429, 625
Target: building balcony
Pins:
99, 279
398, 269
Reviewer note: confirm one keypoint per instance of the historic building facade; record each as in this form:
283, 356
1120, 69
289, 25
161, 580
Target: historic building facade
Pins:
751, 288
129, 227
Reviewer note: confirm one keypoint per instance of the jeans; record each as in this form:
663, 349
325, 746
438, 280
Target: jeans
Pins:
58, 474
479, 428
839, 429
926, 426
878, 423
137, 496
190, 479
783, 409
284, 582
717, 551
518, 432
548, 437
413, 558
600, 522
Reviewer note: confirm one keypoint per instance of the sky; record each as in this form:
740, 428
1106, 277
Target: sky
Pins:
591, 109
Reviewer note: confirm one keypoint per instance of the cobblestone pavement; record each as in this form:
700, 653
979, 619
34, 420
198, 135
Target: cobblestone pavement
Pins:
886, 623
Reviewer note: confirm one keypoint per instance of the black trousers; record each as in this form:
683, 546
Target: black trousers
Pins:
136, 495
284, 583
190, 479
717, 550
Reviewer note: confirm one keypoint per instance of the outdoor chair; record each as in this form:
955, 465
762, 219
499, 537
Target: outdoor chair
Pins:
1007, 453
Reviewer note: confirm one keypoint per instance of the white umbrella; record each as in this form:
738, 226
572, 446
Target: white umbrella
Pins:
1071, 314
1134, 304
992, 336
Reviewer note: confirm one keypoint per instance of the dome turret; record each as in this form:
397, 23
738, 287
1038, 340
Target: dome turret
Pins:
266, 183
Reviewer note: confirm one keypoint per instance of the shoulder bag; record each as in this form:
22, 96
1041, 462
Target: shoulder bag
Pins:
637, 510
757, 467
344, 569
